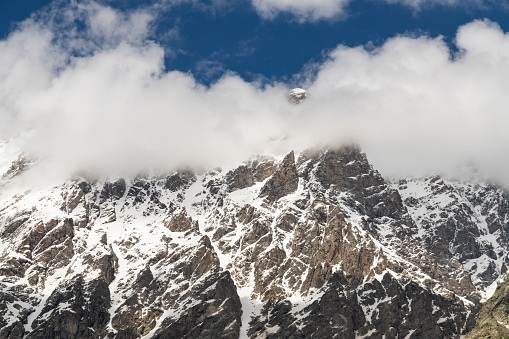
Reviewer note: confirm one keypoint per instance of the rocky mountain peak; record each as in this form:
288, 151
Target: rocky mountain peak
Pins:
311, 245
297, 95
284, 180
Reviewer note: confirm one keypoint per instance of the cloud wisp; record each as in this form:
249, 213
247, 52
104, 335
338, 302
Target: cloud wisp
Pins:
317, 10
410, 105
302, 11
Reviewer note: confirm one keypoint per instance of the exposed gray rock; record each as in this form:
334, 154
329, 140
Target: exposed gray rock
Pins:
297, 95
179, 180
324, 247
215, 313
77, 309
284, 180
240, 178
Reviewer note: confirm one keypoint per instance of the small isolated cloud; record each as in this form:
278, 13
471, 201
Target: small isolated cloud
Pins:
302, 10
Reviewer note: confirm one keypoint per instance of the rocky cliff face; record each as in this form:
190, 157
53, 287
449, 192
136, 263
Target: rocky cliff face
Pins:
462, 223
309, 245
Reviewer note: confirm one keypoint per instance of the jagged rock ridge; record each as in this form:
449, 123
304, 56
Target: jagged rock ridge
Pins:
310, 245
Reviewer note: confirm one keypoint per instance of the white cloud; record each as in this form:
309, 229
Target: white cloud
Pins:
110, 26
115, 106
408, 104
413, 108
302, 10
421, 4
315, 10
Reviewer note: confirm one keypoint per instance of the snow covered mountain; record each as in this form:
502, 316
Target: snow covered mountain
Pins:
308, 245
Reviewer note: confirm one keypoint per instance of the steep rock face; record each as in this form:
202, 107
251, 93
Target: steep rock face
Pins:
381, 307
179, 180
463, 223
284, 180
103, 276
216, 309
347, 170
311, 245
41, 250
76, 309
167, 282
335, 314
18, 166
241, 177
15, 307
354, 223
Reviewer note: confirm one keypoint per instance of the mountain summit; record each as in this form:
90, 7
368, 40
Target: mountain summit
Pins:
314, 244
296, 95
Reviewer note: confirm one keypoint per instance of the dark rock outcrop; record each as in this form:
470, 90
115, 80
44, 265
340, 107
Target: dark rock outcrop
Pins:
179, 180
12, 327
375, 309
77, 309
215, 313
239, 178
284, 180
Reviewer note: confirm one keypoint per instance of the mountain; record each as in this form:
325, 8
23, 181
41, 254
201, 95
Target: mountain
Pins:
493, 317
315, 244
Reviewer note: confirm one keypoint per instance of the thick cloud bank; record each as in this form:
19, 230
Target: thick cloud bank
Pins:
100, 97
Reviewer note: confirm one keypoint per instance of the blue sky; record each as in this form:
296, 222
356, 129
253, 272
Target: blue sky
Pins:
219, 36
